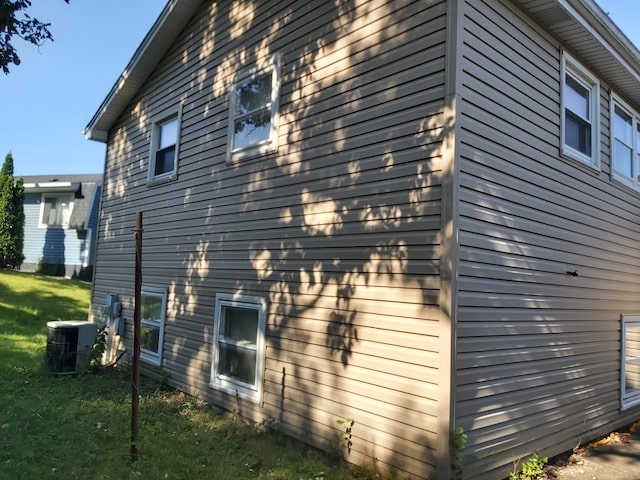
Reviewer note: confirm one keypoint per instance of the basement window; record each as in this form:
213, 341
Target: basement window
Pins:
152, 318
239, 343
630, 368
580, 130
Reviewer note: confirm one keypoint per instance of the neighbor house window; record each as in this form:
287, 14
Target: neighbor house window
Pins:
630, 371
55, 209
253, 111
165, 140
238, 349
625, 143
580, 113
152, 316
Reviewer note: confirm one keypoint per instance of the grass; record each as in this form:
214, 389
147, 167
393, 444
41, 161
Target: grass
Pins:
78, 427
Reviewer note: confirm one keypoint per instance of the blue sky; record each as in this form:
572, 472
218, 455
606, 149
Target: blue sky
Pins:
52, 95
49, 99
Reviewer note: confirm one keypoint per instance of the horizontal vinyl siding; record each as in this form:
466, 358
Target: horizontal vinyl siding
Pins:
56, 246
339, 230
538, 349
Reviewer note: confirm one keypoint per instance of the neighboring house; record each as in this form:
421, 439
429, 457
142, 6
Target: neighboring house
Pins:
419, 215
61, 216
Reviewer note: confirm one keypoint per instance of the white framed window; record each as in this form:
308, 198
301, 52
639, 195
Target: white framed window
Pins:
625, 143
152, 317
55, 210
237, 365
630, 365
165, 143
580, 118
253, 111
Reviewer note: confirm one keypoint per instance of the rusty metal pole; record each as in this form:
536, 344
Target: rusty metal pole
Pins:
135, 389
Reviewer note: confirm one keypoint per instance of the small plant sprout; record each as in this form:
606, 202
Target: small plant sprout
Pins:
457, 441
531, 469
344, 435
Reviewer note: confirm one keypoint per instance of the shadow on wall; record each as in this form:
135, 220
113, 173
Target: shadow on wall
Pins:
53, 258
340, 230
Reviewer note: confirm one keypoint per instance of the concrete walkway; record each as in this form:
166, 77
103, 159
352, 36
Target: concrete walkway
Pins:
615, 458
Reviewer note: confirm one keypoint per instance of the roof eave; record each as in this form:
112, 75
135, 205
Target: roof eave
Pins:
584, 28
171, 22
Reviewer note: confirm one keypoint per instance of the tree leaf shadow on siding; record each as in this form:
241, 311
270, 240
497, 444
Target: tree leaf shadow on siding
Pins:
339, 230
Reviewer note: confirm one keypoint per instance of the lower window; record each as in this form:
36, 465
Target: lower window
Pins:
238, 349
630, 371
152, 313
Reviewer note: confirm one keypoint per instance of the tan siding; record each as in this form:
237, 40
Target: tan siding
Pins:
538, 349
339, 230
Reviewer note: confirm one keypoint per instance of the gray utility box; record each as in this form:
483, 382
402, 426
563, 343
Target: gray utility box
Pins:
69, 346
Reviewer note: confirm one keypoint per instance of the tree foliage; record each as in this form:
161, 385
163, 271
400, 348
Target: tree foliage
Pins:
15, 22
11, 217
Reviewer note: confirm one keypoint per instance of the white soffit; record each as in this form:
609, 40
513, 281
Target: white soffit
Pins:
588, 32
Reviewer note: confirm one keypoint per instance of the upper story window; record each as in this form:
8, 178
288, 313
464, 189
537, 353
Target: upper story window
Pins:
625, 143
580, 130
165, 140
55, 209
152, 312
253, 111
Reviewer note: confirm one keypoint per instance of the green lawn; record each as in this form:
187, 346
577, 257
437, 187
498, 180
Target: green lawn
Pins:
78, 427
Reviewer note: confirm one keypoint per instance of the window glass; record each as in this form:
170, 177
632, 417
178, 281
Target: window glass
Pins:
580, 113
152, 311
577, 126
254, 111
163, 157
238, 363
637, 162
252, 130
168, 133
164, 160
576, 98
254, 94
577, 133
150, 337
240, 324
56, 210
630, 382
624, 143
622, 158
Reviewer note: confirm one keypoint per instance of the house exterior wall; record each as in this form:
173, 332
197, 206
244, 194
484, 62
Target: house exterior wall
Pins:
67, 248
538, 350
339, 230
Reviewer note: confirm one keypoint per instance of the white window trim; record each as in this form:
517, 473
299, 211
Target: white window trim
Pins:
230, 385
271, 144
147, 355
156, 123
634, 181
71, 197
633, 399
589, 81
